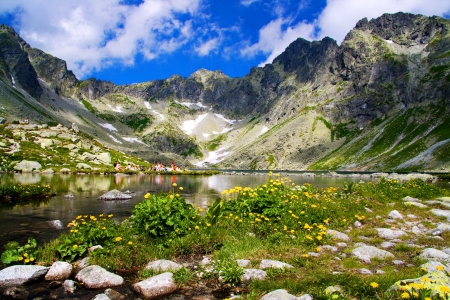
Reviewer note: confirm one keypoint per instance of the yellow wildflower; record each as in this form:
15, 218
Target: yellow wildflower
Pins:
31, 258
196, 227
110, 216
174, 184
444, 289
405, 295
374, 285
171, 197
180, 188
118, 239
75, 246
27, 260
25, 254
147, 195
130, 243
440, 268
20, 258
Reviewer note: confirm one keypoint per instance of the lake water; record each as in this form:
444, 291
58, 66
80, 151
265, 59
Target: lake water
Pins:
19, 222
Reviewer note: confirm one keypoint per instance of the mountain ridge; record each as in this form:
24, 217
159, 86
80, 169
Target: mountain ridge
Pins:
306, 110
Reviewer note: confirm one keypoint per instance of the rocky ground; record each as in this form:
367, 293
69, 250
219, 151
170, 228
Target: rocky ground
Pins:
424, 238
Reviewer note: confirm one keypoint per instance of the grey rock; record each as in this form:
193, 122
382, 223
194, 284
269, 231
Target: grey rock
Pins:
380, 272
388, 245
69, 196
313, 254
115, 195
446, 250
417, 204
365, 271
104, 157
447, 199
334, 289
93, 248
83, 166
205, 261
341, 245
430, 266
95, 277
410, 199
282, 295
27, 166
65, 171
329, 248
389, 234
163, 265
435, 254
69, 286
75, 128
81, 264
441, 213
338, 235
269, 263
416, 230
243, 262
156, 286
57, 224
252, 274
87, 156
60, 270
366, 253
47, 171
101, 297
21, 274
357, 224
394, 214
398, 262
114, 295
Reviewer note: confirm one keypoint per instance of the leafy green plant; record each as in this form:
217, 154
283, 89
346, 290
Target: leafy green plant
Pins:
229, 270
182, 276
165, 215
16, 254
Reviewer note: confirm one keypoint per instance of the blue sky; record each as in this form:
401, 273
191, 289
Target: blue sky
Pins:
133, 41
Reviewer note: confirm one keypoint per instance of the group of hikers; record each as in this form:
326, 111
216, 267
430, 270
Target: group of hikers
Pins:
157, 166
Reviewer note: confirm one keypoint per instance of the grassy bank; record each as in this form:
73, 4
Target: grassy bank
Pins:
278, 220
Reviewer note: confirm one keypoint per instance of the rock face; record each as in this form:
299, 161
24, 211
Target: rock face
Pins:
329, 106
21, 274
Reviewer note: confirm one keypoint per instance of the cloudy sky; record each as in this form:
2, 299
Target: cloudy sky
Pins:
129, 41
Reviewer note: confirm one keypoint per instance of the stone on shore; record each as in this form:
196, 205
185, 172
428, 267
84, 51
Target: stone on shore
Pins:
156, 286
60, 270
69, 286
95, 277
114, 195
27, 166
163, 265
21, 274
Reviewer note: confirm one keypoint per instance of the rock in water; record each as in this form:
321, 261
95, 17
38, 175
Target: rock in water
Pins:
21, 274
156, 286
95, 277
114, 195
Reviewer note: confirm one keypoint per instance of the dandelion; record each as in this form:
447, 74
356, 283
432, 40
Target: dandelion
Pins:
130, 243
305, 255
374, 285
440, 268
118, 239
444, 289
75, 246
207, 224
147, 195
110, 216
405, 295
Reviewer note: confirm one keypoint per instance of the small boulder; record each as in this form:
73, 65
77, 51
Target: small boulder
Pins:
115, 195
389, 234
21, 274
95, 277
163, 265
283, 294
434, 254
366, 253
69, 286
65, 171
252, 274
395, 215
83, 166
269, 263
27, 166
156, 286
441, 213
338, 235
101, 297
243, 262
60, 270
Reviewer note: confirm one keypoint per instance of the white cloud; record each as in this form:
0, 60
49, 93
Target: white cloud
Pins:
91, 35
248, 2
273, 39
208, 46
335, 21
340, 16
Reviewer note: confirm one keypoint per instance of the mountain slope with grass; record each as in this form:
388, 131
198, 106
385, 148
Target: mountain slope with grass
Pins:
378, 101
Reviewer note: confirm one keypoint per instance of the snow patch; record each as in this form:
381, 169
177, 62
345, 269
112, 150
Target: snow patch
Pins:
114, 139
190, 104
189, 125
226, 120
108, 126
133, 140
149, 107
264, 129
116, 109
214, 157
388, 41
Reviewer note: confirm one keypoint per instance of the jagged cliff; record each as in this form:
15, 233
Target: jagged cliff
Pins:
378, 101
